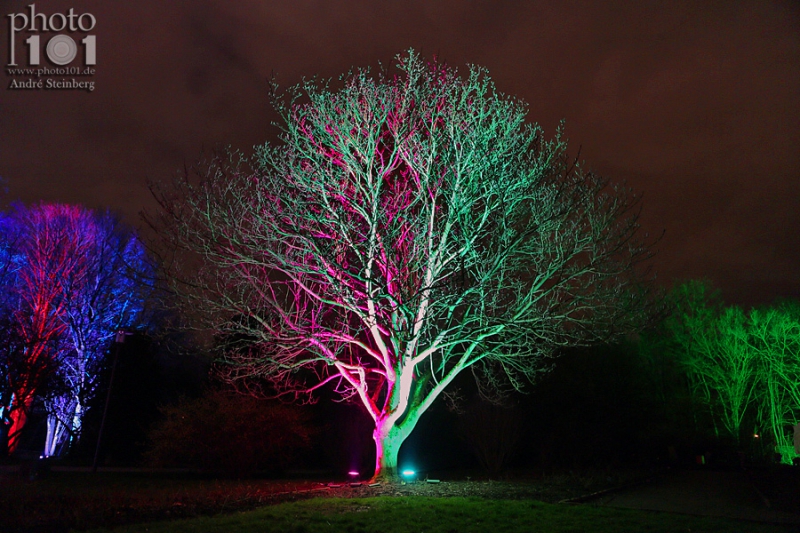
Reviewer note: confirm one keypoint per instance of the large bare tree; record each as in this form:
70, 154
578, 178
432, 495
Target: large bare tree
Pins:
408, 226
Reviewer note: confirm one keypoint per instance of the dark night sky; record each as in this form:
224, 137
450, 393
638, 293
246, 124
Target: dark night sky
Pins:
696, 104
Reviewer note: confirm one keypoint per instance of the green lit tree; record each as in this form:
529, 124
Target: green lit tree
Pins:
714, 348
775, 337
407, 227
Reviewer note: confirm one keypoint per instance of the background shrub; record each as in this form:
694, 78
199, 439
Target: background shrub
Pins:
229, 433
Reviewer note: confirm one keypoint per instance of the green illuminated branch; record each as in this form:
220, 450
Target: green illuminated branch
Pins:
407, 227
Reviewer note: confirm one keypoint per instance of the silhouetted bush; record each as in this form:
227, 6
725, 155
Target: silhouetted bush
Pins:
493, 432
229, 433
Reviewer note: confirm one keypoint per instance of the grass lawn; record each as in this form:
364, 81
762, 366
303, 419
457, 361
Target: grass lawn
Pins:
445, 515
58, 501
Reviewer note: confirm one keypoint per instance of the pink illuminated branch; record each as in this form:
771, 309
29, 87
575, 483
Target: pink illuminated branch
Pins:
406, 228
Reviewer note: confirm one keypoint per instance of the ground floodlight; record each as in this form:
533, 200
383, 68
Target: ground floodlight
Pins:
352, 473
408, 473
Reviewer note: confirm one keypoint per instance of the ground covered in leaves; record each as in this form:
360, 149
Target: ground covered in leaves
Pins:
60, 501
549, 489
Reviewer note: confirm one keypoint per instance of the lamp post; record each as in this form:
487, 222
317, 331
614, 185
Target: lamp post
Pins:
119, 340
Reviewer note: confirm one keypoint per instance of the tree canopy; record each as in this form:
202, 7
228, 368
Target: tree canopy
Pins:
742, 365
72, 278
408, 225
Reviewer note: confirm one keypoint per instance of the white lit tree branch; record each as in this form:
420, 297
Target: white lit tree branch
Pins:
407, 227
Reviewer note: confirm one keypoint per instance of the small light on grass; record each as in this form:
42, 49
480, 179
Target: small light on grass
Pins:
408, 473
352, 473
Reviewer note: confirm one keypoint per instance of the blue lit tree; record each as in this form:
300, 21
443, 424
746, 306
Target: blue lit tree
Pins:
78, 276
11, 349
38, 260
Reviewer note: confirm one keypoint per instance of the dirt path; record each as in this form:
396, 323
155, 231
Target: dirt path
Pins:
707, 493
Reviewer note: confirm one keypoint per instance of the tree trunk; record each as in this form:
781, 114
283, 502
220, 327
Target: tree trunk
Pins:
18, 416
77, 422
388, 439
55, 432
